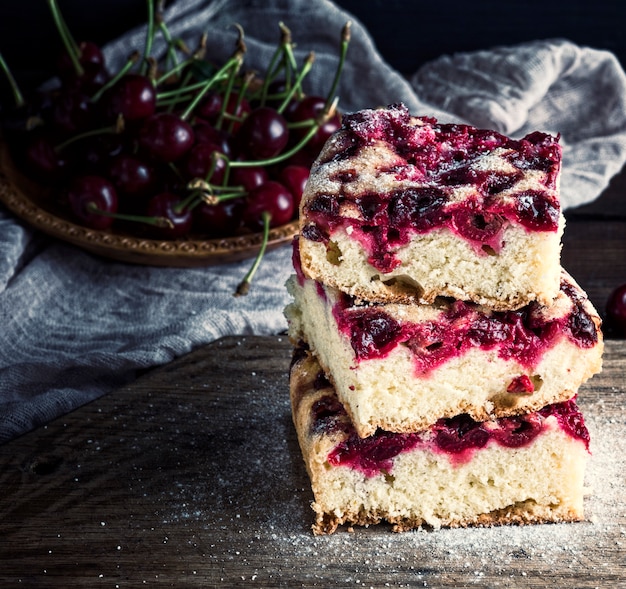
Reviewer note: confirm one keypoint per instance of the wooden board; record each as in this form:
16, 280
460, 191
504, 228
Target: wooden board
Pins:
192, 476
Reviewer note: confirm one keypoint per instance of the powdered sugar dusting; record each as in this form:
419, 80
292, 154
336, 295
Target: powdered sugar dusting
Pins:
248, 509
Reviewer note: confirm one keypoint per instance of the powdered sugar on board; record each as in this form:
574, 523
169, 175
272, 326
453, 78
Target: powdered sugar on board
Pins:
248, 506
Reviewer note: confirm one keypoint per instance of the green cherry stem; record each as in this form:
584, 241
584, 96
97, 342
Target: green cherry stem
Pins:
132, 60
147, 49
232, 64
92, 207
17, 95
68, 41
113, 130
244, 286
345, 41
306, 68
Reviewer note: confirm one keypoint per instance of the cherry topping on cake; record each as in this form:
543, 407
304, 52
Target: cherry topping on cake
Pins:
459, 434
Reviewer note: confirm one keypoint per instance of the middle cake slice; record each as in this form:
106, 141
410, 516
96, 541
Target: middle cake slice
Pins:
401, 367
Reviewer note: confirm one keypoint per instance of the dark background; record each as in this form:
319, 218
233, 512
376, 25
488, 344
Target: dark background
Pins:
408, 33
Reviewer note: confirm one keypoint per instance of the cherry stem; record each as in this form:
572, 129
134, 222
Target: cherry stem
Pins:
231, 63
164, 222
66, 37
132, 60
17, 95
238, 59
244, 286
210, 193
163, 28
147, 50
116, 129
270, 71
345, 41
247, 80
306, 68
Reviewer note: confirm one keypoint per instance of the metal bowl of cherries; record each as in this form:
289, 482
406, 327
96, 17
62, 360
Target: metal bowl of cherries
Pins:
175, 162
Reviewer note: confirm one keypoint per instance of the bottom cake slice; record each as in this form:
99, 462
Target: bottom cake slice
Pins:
523, 469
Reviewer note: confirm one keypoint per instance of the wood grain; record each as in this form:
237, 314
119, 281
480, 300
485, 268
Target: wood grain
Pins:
191, 476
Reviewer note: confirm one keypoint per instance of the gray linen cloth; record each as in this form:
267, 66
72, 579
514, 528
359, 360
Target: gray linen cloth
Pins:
75, 326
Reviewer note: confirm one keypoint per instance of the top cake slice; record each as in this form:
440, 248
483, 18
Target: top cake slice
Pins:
405, 209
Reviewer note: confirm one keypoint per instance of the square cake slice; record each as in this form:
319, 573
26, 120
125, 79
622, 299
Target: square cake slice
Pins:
459, 472
404, 209
401, 367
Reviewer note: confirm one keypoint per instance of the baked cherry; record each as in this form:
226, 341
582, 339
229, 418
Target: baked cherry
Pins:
92, 199
616, 309
271, 197
459, 434
166, 137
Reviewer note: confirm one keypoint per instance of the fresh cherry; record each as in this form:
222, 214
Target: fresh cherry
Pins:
249, 177
201, 160
90, 58
166, 137
310, 107
133, 97
295, 179
43, 160
72, 112
167, 206
89, 197
219, 220
616, 309
263, 134
206, 133
132, 176
271, 197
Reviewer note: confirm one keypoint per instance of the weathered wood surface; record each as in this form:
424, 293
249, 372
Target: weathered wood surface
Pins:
191, 476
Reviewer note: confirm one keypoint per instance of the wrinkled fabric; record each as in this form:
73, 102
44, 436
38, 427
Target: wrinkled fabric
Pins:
75, 326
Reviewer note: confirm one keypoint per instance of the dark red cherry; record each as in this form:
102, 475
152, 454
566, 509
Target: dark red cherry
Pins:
166, 137
44, 161
203, 161
263, 134
220, 220
167, 206
206, 133
479, 227
309, 108
249, 177
295, 179
88, 197
132, 176
458, 434
517, 431
372, 333
211, 107
536, 212
91, 59
72, 112
133, 97
616, 309
271, 197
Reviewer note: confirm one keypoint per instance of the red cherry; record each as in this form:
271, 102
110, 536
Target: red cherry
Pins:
165, 204
72, 111
133, 97
295, 179
263, 134
219, 220
43, 161
616, 308
166, 137
206, 133
88, 192
309, 108
91, 59
132, 176
248, 177
271, 197
198, 162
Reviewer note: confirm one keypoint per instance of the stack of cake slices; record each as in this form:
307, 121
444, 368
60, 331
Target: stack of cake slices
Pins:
439, 345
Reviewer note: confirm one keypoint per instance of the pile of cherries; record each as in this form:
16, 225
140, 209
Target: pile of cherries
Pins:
175, 148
